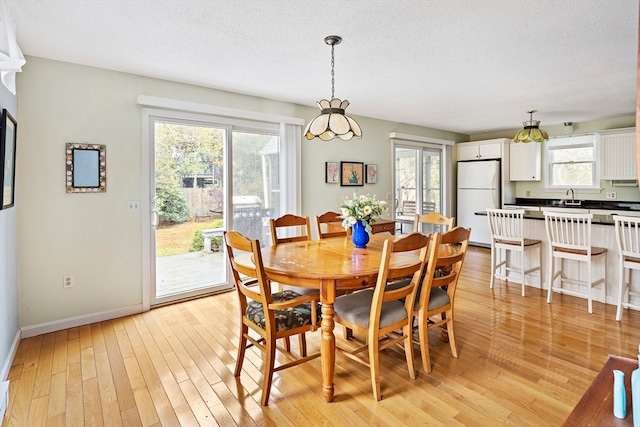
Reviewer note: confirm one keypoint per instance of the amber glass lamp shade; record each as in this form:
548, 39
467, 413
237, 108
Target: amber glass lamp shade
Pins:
531, 131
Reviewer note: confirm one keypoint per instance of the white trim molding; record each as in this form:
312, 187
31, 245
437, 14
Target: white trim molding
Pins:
12, 354
417, 138
194, 107
58, 325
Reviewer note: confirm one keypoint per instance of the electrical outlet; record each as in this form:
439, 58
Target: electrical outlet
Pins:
611, 195
67, 281
133, 206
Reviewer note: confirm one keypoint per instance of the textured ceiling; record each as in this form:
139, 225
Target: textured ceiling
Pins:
469, 66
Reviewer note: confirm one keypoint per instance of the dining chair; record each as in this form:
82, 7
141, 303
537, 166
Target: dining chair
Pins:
569, 237
271, 315
380, 313
507, 236
432, 222
294, 229
329, 225
434, 303
628, 239
291, 223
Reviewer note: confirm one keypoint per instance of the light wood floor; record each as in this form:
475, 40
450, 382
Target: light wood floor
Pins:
522, 362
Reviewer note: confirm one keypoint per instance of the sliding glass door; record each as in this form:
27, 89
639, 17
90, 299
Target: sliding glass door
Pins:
207, 178
418, 181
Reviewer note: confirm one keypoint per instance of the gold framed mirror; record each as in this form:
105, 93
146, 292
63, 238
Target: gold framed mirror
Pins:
86, 167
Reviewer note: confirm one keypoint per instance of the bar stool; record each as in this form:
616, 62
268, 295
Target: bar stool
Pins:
569, 237
628, 239
507, 234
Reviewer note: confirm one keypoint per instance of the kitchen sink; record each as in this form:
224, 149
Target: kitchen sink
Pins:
567, 203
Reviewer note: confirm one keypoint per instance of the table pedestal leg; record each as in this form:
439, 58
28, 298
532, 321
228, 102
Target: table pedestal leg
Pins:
328, 342
328, 351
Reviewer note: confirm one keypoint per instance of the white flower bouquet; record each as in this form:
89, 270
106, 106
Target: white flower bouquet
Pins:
365, 208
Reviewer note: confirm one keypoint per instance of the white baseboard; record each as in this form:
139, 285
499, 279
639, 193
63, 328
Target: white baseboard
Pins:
58, 325
12, 353
4, 399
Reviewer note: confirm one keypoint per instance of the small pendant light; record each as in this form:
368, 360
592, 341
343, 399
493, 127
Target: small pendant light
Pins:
531, 131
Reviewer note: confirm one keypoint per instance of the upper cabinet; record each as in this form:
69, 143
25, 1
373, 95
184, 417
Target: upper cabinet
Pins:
524, 161
480, 150
618, 156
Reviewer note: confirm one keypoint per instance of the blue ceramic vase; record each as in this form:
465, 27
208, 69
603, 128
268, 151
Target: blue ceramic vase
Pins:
619, 395
359, 235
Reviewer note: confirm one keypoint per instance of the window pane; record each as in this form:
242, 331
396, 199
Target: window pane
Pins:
256, 185
572, 174
571, 154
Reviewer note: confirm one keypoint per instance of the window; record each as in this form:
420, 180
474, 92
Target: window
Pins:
572, 163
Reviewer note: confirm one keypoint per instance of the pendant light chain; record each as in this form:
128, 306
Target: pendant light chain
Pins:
332, 73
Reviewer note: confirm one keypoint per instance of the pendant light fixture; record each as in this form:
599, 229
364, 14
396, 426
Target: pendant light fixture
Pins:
332, 121
531, 131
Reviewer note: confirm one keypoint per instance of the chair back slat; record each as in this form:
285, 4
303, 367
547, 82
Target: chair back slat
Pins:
250, 272
401, 258
432, 222
569, 231
329, 225
444, 269
628, 235
507, 225
295, 229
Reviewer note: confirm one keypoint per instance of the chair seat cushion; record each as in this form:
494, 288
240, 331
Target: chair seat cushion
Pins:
300, 290
289, 318
438, 298
356, 308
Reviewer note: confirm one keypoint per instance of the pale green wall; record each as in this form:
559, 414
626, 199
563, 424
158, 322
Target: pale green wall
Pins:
537, 188
91, 235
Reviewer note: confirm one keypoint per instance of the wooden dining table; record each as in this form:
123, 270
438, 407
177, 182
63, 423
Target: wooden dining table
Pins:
330, 265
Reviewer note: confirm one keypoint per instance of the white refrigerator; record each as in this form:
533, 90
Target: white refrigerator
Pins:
478, 189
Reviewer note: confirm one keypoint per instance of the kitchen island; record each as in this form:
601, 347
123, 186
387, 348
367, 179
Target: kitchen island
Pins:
602, 235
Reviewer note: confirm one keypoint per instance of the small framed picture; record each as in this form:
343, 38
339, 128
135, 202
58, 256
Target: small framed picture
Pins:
351, 174
372, 174
332, 172
8, 138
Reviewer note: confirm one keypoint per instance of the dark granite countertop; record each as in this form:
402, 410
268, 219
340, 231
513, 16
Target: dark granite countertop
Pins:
604, 219
617, 205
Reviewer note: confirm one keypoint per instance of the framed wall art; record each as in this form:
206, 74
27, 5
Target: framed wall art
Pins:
372, 174
351, 174
332, 172
8, 139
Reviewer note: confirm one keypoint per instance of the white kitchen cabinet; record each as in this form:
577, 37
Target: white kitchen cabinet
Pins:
618, 154
524, 161
480, 150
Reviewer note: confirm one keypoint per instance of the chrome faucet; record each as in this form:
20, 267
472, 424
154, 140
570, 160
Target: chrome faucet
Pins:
572, 195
